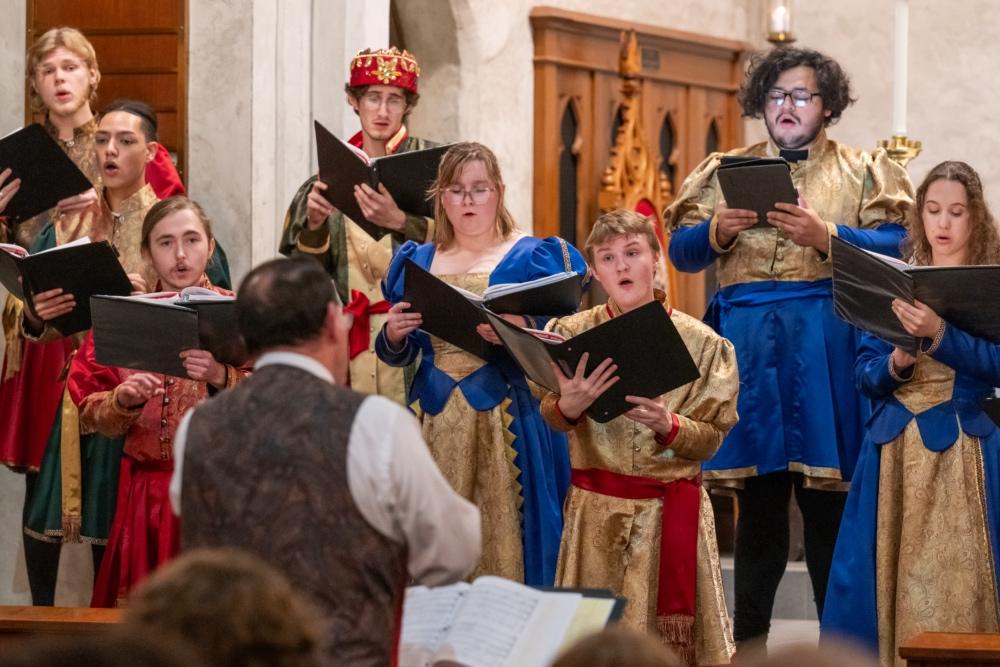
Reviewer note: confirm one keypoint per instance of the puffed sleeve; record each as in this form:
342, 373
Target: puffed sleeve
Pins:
706, 409
93, 388
873, 368
532, 258
887, 192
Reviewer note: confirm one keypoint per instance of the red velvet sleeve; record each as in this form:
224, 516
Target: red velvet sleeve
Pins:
86, 376
162, 176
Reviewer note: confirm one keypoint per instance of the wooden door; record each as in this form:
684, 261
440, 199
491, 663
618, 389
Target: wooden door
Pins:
689, 85
141, 51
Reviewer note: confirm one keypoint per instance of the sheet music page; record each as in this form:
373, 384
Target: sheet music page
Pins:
503, 623
428, 614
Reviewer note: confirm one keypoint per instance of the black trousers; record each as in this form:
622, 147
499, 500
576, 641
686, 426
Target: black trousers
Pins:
762, 545
41, 558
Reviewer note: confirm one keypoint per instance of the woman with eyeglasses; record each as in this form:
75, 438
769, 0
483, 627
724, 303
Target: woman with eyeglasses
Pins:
480, 420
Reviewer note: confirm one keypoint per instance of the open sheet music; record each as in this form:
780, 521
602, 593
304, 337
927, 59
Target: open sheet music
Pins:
407, 176
452, 313
865, 283
148, 332
653, 361
80, 268
495, 622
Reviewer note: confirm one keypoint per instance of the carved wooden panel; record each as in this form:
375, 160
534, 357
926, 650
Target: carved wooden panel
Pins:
141, 51
689, 79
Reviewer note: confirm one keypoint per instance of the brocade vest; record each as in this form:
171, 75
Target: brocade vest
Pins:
265, 470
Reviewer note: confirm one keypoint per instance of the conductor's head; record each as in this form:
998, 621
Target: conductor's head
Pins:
291, 305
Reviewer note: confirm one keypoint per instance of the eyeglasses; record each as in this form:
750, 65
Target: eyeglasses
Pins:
456, 195
392, 102
800, 96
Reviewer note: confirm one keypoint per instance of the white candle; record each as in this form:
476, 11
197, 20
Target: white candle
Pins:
899, 70
779, 20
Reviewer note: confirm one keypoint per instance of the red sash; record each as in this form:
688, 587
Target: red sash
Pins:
359, 338
675, 595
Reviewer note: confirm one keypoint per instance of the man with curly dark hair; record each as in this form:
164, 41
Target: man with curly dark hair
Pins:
801, 416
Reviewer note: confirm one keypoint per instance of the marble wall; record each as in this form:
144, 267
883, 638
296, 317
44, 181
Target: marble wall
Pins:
478, 81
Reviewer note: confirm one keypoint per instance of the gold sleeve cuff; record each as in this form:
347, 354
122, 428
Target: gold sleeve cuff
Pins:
48, 334
713, 239
936, 341
102, 413
314, 241
233, 376
553, 416
894, 374
831, 232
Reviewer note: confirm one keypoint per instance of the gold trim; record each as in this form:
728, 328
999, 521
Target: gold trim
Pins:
985, 535
730, 473
313, 251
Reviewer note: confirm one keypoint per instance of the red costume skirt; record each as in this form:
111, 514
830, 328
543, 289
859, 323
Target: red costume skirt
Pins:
145, 532
28, 402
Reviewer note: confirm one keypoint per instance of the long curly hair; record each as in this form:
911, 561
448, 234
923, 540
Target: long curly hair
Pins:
764, 68
984, 238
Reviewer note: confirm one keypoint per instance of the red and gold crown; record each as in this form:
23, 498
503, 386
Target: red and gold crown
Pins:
386, 67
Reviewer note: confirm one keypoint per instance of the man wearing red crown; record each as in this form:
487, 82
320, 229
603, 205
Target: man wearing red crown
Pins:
383, 91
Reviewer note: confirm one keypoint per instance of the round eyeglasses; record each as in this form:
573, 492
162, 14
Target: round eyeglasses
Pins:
800, 96
456, 195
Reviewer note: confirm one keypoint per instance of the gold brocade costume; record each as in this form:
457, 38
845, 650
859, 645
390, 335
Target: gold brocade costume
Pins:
844, 185
934, 561
367, 263
123, 228
474, 451
614, 543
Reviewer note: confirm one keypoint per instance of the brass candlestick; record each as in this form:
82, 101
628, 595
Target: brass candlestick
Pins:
900, 149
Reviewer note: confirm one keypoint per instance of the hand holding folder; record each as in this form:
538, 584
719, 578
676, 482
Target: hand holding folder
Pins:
756, 184
80, 268
406, 176
147, 333
865, 284
46, 173
452, 314
650, 369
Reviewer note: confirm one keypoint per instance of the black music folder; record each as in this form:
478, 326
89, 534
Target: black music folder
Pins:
407, 176
47, 174
651, 356
756, 184
148, 334
81, 268
865, 283
452, 314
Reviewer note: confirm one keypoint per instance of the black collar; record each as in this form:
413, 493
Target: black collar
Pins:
794, 154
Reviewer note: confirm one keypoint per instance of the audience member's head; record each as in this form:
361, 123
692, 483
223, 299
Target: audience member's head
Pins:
617, 647
231, 606
830, 654
110, 649
293, 304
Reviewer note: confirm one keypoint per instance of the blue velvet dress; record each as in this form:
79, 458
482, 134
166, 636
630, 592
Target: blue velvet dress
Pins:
483, 425
918, 545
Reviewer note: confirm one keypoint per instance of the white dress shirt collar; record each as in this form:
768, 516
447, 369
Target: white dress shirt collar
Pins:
297, 360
